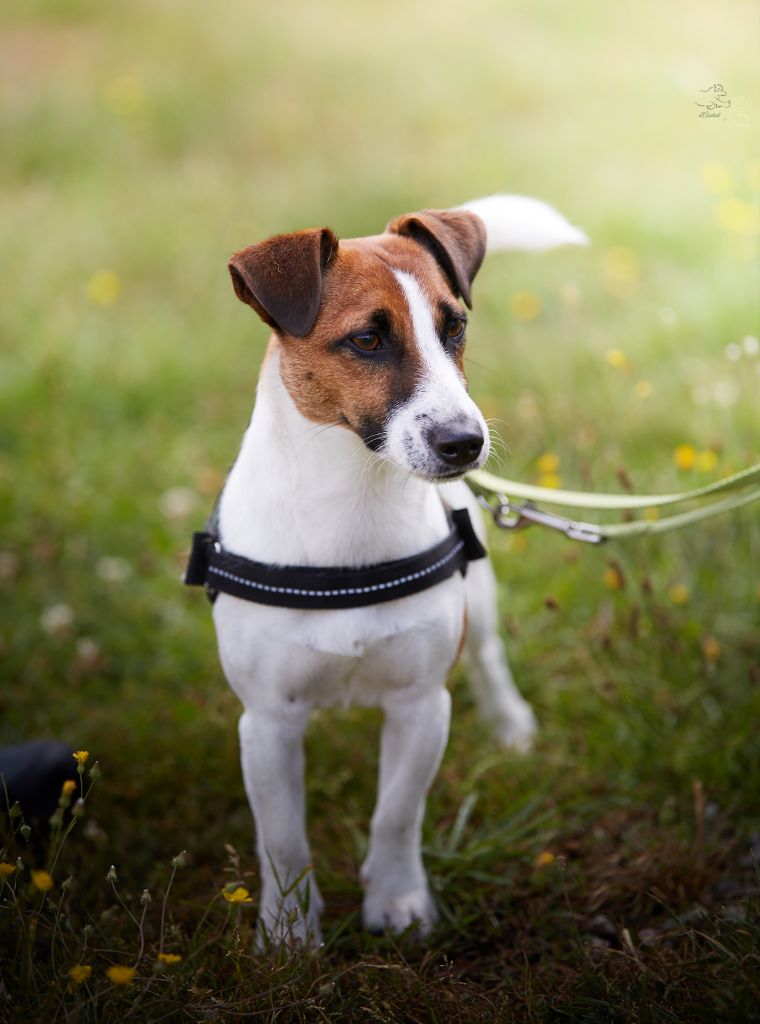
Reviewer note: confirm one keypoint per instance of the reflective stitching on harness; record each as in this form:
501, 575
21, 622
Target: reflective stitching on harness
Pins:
348, 590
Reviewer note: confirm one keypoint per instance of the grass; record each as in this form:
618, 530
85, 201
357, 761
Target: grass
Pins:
611, 875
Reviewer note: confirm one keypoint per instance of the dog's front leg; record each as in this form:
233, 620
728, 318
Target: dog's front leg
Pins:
271, 749
413, 740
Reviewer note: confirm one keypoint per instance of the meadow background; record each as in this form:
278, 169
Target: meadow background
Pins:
612, 874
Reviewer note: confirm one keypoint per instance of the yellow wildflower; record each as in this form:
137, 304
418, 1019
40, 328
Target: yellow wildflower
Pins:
550, 480
238, 894
620, 266
706, 461
169, 958
79, 973
616, 358
43, 881
642, 389
651, 514
121, 975
737, 215
679, 593
525, 305
544, 859
6, 869
124, 95
613, 577
684, 456
103, 288
80, 756
716, 177
711, 648
548, 462
520, 541
68, 787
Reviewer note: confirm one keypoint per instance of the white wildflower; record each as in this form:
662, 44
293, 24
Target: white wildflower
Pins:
57, 620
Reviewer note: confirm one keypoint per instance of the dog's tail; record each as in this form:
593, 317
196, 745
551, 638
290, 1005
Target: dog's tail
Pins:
519, 222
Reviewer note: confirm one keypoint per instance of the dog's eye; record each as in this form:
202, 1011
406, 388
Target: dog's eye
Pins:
369, 342
455, 330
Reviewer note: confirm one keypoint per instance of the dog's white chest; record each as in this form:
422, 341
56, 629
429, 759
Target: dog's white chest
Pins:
338, 658
297, 496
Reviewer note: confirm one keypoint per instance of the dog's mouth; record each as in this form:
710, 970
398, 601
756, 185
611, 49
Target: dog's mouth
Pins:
454, 474
427, 466
443, 476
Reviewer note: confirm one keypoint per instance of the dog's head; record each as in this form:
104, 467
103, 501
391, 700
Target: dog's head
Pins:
372, 333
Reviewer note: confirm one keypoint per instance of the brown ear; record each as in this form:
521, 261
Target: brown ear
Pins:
281, 279
456, 238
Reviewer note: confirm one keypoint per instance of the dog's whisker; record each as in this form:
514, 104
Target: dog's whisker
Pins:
481, 366
492, 422
370, 461
494, 462
366, 469
497, 442
274, 387
321, 430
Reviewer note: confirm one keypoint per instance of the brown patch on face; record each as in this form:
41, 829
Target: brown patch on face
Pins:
327, 379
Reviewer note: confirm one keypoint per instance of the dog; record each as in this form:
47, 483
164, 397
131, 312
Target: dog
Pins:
361, 433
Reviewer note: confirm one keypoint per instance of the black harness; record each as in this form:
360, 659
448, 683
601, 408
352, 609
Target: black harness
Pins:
299, 586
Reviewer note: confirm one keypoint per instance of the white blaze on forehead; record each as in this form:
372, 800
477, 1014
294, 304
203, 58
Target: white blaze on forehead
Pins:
440, 400
439, 370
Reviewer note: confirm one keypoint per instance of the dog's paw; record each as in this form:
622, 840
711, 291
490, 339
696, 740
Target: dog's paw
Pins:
399, 911
517, 730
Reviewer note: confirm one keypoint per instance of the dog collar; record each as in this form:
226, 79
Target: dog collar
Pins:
297, 586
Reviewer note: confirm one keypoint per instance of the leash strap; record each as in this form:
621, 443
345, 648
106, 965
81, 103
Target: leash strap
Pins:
288, 586
510, 516
483, 481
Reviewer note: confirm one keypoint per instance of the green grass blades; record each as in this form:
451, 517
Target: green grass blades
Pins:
611, 876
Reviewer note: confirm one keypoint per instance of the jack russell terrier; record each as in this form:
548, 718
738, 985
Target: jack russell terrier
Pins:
338, 554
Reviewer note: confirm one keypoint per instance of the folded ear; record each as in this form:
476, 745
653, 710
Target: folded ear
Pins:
281, 278
456, 238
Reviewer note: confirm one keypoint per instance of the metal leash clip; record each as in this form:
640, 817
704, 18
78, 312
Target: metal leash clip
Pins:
509, 516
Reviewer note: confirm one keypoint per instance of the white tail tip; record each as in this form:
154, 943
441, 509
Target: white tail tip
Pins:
519, 222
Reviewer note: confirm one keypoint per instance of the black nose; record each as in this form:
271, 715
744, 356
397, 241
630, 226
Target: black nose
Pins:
457, 447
